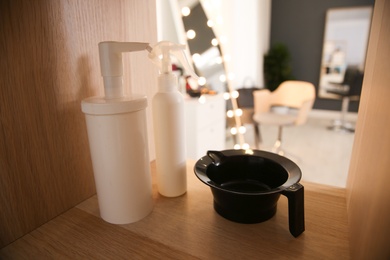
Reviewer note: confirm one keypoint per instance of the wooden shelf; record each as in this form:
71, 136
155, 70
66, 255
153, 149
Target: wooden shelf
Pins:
188, 227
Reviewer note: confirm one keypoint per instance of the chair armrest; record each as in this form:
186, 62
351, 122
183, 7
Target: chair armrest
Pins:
262, 100
304, 112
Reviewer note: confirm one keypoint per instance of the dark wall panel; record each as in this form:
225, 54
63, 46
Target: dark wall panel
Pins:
300, 25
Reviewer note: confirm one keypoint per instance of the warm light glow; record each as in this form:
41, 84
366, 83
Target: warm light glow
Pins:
248, 151
214, 42
222, 78
230, 113
235, 94
245, 146
191, 34
242, 129
185, 11
238, 112
196, 57
202, 81
224, 41
202, 99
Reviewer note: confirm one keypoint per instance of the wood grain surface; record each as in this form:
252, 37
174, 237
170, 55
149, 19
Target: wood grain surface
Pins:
369, 178
49, 63
188, 226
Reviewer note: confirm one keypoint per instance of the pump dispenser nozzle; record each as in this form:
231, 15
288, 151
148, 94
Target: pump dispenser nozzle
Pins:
160, 55
111, 66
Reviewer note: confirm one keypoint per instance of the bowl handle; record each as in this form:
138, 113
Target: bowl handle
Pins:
216, 156
296, 208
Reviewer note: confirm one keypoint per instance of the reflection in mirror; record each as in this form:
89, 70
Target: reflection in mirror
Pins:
213, 62
203, 45
203, 24
345, 43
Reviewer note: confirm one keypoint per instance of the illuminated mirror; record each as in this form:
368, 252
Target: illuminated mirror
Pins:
345, 44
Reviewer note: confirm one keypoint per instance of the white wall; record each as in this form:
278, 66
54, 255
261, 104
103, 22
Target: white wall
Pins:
250, 24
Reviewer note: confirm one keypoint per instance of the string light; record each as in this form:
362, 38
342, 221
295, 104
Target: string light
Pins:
196, 57
191, 34
231, 76
235, 94
185, 11
230, 113
222, 78
202, 81
245, 146
238, 112
216, 22
242, 129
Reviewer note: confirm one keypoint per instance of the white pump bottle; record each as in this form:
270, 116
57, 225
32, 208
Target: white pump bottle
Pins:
117, 134
168, 119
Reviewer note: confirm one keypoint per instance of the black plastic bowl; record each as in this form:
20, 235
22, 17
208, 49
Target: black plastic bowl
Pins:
246, 185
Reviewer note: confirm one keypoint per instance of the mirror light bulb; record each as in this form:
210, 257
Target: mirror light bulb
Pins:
230, 113
235, 94
245, 146
196, 57
202, 81
233, 131
222, 78
238, 112
185, 11
191, 34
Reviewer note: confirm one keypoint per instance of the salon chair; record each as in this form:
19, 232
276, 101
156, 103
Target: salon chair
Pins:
349, 89
288, 105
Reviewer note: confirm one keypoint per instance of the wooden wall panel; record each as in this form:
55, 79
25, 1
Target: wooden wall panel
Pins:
49, 63
368, 193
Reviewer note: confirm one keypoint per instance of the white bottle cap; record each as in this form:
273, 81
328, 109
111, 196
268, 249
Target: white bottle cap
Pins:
102, 106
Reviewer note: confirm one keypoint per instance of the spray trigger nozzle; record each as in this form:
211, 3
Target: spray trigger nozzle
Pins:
161, 53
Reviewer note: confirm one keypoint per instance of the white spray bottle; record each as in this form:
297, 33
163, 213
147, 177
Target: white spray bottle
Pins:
168, 119
117, 134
